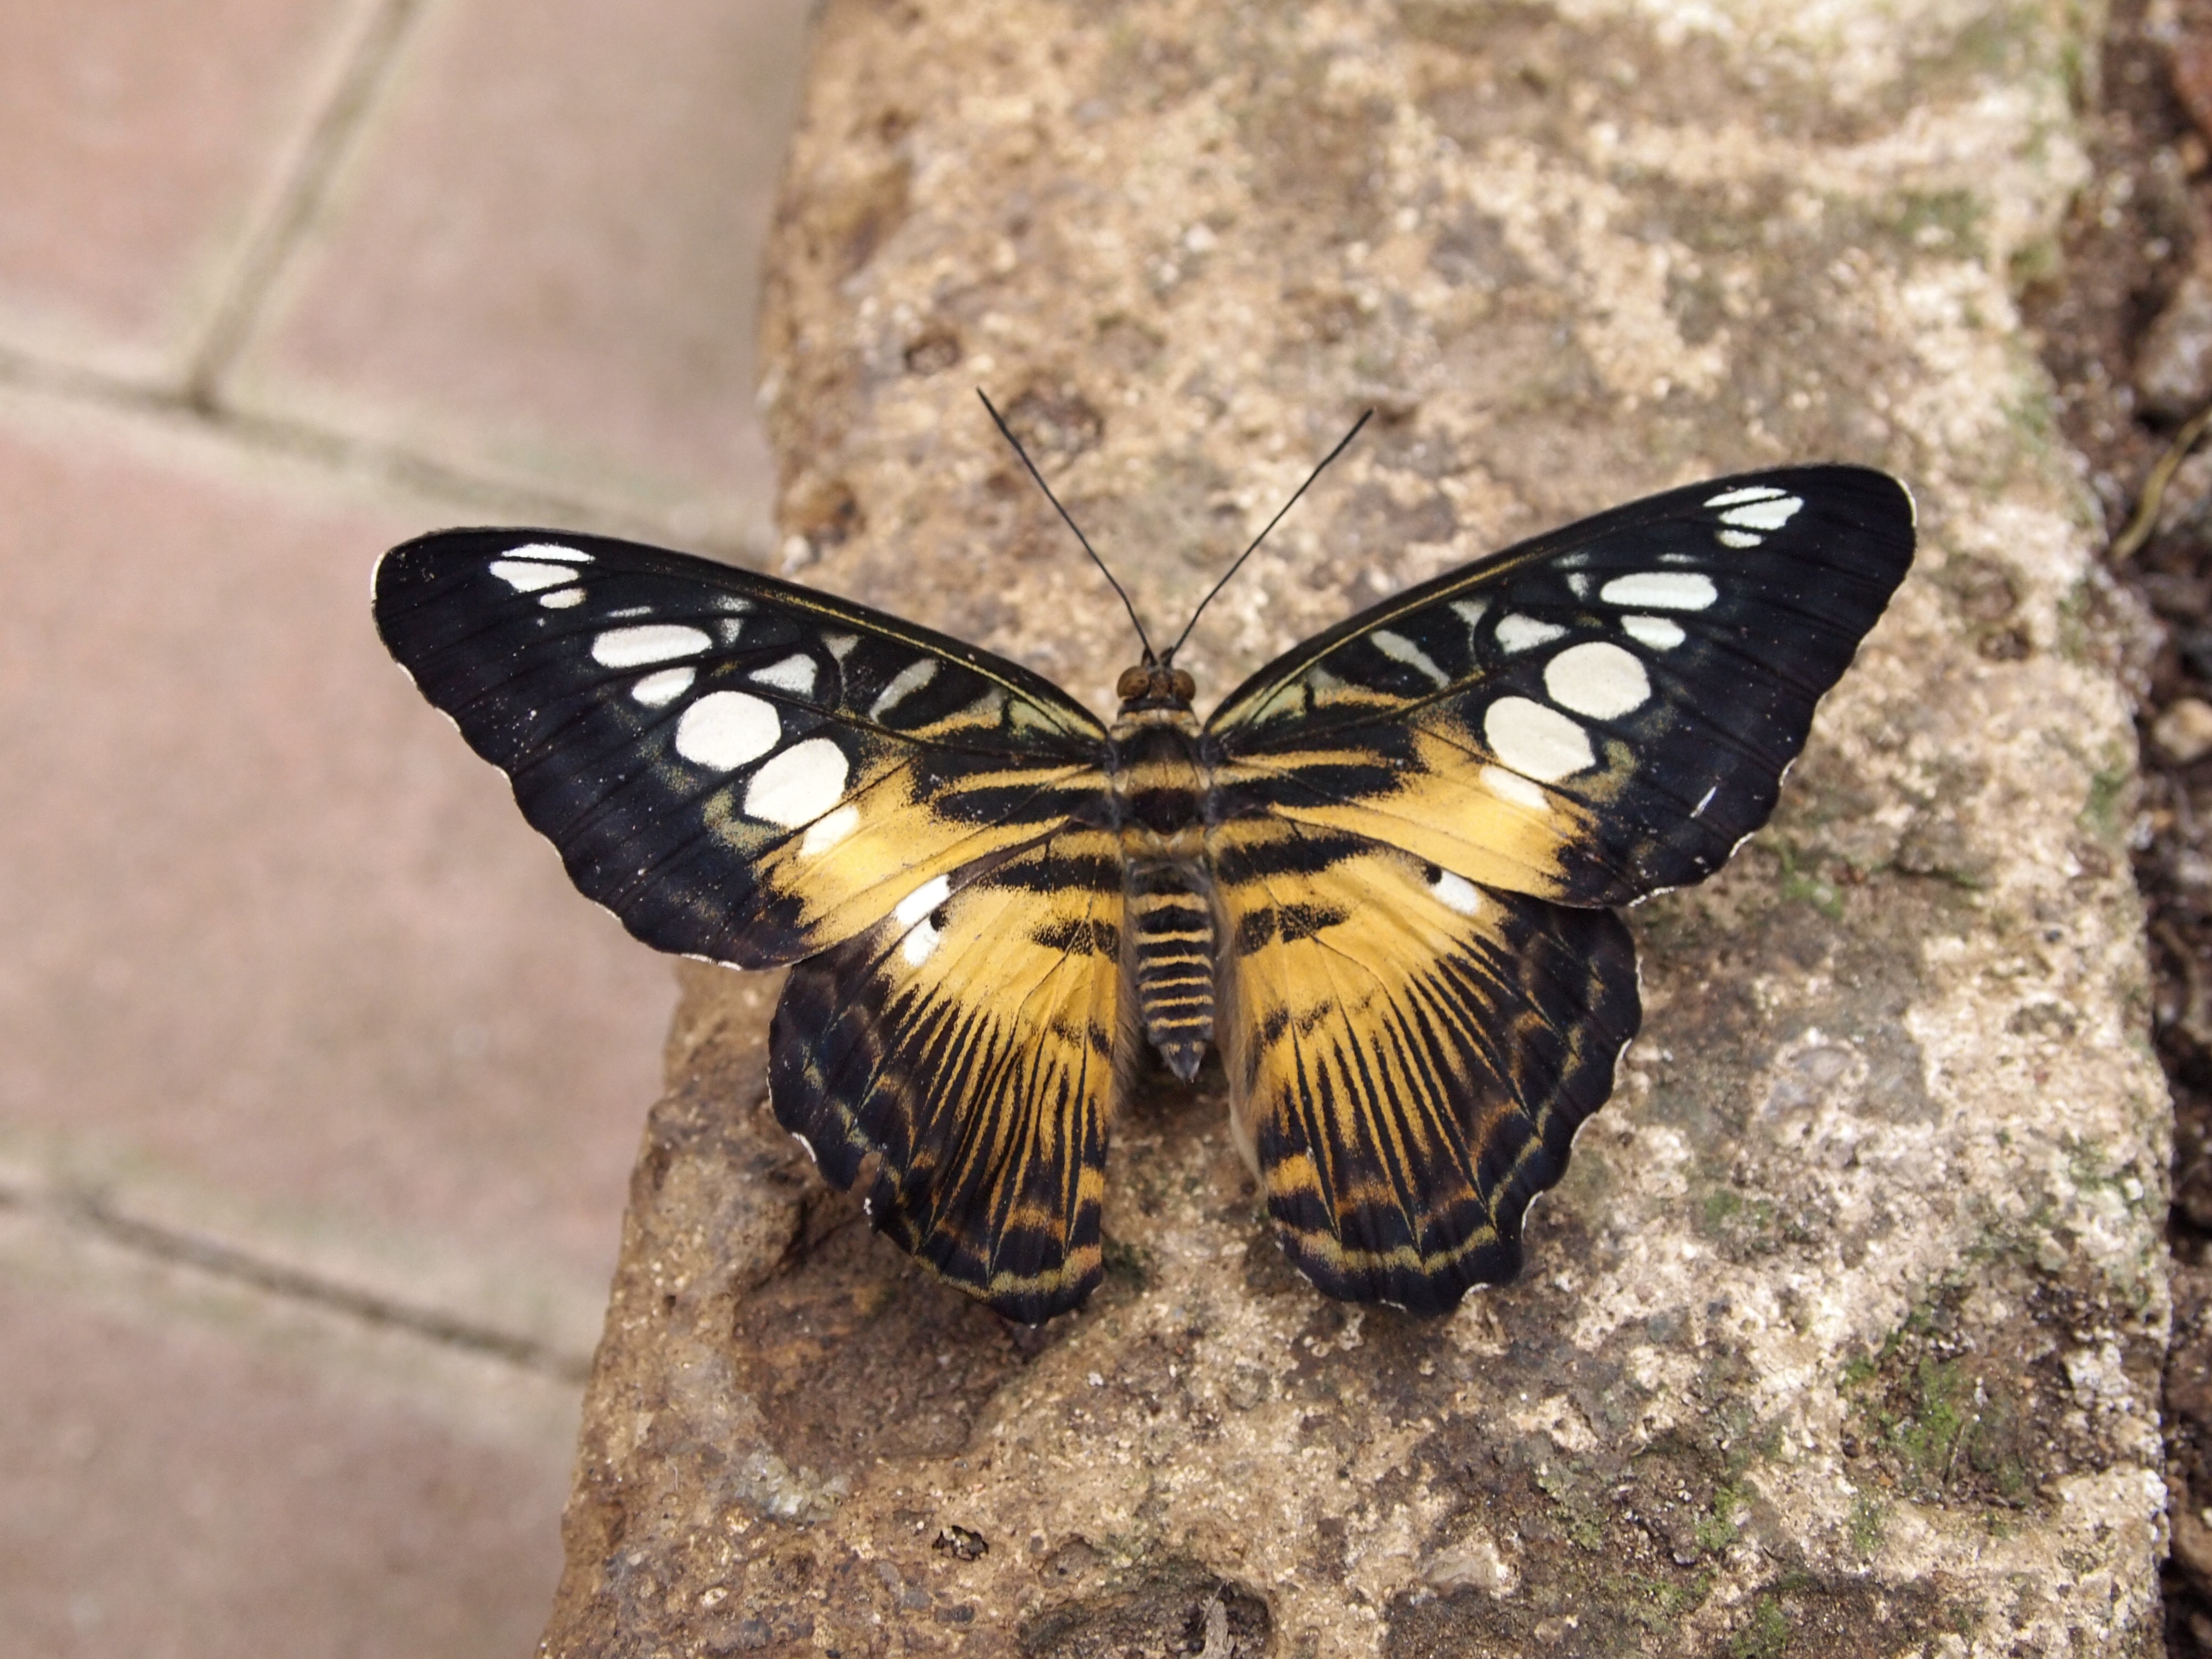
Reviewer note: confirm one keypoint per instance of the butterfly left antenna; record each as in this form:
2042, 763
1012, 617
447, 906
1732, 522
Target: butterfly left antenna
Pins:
1007, 432
1342, 444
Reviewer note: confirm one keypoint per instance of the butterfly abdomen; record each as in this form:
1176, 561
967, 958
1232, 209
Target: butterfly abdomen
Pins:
1171, 932
1159, 793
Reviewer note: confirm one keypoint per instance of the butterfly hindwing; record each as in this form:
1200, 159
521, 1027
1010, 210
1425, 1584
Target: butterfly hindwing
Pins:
1409, 1054
739, 768
1590, 716
958, 1062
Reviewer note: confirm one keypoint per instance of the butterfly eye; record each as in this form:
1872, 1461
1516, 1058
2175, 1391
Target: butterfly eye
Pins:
1133, 684
1184, 687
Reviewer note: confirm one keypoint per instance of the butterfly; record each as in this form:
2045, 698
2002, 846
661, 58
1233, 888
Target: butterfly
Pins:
1381, 876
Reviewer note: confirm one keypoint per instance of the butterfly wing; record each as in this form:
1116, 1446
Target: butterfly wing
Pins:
1423, 812
1409, 1054
739, 768
746, 770
1594, 714
958, 1060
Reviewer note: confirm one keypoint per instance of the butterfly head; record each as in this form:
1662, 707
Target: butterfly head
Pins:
1154, 685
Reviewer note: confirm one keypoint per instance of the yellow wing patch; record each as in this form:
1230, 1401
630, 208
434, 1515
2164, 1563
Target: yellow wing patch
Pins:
1441, 795
895, 828
1409, 1054
959, 1061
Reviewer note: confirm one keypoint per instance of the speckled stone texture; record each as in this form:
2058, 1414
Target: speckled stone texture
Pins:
1842, 1335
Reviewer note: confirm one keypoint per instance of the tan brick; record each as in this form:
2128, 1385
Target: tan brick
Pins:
272, 931
165, 1487
542, 262
139, 139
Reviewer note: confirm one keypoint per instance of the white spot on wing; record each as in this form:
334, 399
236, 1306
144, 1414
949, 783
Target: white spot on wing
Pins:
528, 576
1455, 892
1398, 649
794, 674
903, 684
1737, 538
913, 913
1471, 611
1704, 801
1660, 633
799, 785
920, 941
924, 899
826, 833
840, 646
1511, 785
633, 648
1763, 515
562, 598
557, 554
1598, 678
1517, 632
1535, 741
1748, 492
1023, 715
986, 710
1579, 584
664, 687
726, 729
1661, 590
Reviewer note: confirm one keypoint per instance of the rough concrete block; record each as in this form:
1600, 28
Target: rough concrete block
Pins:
1843, 1334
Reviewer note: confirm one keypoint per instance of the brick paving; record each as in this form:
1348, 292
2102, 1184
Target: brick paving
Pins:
318, 1084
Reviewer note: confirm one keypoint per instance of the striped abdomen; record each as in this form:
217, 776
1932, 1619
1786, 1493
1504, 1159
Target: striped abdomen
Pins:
1171, 933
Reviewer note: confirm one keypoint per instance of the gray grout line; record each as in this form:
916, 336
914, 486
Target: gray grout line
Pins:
271, 244
90, 1213
354, 457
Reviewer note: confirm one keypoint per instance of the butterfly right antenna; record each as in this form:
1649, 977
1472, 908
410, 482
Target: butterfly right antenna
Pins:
1343, 444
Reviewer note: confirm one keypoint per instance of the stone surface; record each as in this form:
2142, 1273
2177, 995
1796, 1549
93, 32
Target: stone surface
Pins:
2184, 730
1843, 1335
2173, 365
546, 266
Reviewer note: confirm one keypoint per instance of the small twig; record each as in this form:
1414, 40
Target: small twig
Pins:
2129, 541
1219, 1644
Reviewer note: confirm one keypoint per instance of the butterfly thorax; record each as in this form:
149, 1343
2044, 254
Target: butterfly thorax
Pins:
1159, 791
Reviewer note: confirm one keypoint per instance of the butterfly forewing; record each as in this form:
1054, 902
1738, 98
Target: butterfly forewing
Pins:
965, 1046
1409, 1054
1593, 715
738, 767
